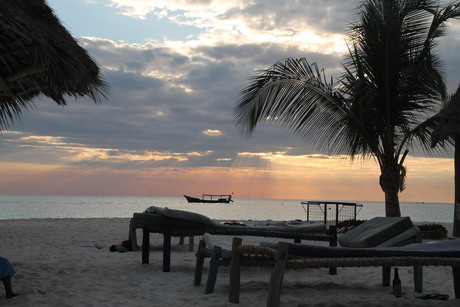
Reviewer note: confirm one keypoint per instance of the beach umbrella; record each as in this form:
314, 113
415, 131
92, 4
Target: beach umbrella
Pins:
38, 56
448, 129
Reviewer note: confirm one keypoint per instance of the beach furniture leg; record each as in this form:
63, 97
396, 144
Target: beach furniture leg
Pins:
213, 269
386, 276
167, 247
199, 263
145, 245
418, 278
456, 277
235, 273
277, 275
333, 242
418, 270
133, 237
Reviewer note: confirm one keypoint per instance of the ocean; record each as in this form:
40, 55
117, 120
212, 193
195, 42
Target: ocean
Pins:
63, 206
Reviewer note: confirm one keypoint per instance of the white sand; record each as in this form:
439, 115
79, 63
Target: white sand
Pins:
67, 262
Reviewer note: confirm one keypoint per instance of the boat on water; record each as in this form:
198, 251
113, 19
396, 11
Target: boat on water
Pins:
210, 198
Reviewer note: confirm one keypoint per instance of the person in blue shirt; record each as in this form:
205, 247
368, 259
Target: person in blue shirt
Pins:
6, 272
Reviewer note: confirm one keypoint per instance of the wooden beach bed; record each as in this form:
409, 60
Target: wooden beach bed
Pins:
178, 223
286, 255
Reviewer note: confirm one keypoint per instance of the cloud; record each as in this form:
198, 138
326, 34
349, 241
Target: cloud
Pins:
252, 14
171, 102
306, 25
212, 132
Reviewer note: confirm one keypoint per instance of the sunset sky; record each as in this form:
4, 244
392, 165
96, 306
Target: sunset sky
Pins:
175, 69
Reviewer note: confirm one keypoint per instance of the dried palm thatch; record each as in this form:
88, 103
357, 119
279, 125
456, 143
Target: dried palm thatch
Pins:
39, 56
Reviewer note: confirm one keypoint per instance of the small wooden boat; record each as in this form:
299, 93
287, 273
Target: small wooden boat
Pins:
210, 198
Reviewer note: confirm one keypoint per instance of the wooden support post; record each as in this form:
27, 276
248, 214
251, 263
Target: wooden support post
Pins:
332, 235
332, 243
277, 275
386, 276
418, 278
418, 271
199, 263
456, 277
191, 243
235, 273
167, 246
325, 214
132, 236
145, 245
336, 214
213, 269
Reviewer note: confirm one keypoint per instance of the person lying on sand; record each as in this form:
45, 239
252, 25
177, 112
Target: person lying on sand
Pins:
6, 272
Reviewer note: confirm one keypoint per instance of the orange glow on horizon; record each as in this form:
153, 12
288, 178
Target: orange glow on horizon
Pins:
282, 177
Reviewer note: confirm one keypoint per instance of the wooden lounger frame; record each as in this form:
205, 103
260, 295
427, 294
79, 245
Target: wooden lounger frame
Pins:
281, 259
263, 258
151, 223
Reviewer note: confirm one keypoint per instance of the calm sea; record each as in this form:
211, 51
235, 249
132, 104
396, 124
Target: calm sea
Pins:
58, 206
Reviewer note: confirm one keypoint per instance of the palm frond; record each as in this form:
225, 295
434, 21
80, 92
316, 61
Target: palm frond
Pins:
447, 121
383, 102
292, 93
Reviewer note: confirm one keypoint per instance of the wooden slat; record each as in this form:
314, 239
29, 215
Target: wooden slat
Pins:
277, 275
235, 273
213, 269
200, 255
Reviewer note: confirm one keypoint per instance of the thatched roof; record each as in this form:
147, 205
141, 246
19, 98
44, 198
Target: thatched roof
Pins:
449, 123
39, 56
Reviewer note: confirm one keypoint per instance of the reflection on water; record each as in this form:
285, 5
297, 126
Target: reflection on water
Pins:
44, 206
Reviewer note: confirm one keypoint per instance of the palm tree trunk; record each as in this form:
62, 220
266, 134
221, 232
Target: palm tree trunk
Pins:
389, 182
392, 203
456, 227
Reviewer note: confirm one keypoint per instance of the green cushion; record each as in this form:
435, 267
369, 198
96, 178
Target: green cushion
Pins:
375, 231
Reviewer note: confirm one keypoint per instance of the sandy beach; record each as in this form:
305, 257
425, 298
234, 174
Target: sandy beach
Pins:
67, 262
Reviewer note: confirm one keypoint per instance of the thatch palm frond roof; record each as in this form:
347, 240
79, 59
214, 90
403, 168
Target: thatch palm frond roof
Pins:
39, 56
449, 122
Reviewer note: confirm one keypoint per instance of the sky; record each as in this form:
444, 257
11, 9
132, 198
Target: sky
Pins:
175, 69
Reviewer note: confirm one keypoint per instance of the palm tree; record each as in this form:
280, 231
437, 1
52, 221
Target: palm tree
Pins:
448, 132
380, 106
